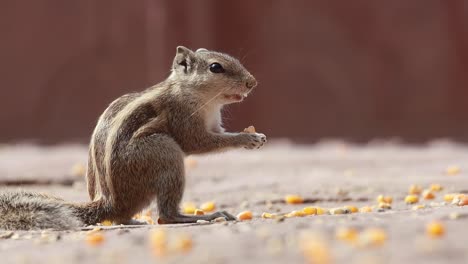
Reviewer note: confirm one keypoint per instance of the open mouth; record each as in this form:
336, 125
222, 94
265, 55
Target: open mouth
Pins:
235, 97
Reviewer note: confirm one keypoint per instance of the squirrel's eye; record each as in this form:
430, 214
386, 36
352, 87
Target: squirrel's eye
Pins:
216, 68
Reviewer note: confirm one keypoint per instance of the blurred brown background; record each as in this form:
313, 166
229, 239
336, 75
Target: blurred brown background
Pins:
348, 69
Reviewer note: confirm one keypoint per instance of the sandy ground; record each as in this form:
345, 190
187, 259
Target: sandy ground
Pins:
336, 173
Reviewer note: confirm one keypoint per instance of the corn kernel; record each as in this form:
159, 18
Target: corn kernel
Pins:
106, 223
95, 238
309, 210
428, 195
436, 187
415, 189
158, 241
267, 215
352, 209
250, 129
384, 199
295, 214
457, 198
316, 251
453, 170
411, 199
347, 234
435, 229
293, 199
184, 243
365, 209
189, 208
449, 197
246, 215
463, 201
321, 211
374, 237
208, 206
419, 206
198, 212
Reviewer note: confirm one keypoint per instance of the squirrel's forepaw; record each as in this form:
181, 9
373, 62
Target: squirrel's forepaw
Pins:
255, 140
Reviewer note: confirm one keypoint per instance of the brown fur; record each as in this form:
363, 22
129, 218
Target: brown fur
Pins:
138, 147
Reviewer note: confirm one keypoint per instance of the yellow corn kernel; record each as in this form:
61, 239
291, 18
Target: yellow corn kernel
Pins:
309, 210
158, 242
189, 207
321, 211
95, 238
250, 129
208, 207
384, 205
365, 209
198, 212
246, 215
449, 197
183, 243
428, 195
419, 206
347, 234
436, 187
411, 199
295, 214
352, 209
415, 189
452, 170
374, 237
435, 229
384, 199
316, 251
458, 198
267, 215
293, 199
106, 223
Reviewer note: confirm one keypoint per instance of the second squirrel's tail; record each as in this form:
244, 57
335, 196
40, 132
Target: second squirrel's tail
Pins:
21, 210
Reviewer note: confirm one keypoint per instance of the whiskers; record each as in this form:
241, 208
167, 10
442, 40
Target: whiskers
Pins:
209, 101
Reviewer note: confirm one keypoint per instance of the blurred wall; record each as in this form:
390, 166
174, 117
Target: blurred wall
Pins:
349, 69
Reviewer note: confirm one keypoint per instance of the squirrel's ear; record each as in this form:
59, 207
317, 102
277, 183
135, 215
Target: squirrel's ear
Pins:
184, 59
202, 50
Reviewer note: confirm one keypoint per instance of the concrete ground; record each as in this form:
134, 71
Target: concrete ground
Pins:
328, 174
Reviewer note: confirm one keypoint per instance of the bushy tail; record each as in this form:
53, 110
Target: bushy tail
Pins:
21, 210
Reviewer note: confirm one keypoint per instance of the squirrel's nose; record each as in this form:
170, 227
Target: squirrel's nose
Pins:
251, 82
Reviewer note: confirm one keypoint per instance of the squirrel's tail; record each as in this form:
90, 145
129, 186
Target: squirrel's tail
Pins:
21, 210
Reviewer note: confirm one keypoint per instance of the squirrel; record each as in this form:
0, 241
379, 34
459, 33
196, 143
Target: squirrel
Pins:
137, 149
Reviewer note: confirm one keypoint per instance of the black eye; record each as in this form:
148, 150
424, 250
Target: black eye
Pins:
216, 68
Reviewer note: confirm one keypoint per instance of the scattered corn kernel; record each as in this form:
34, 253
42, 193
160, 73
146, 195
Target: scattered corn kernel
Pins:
436, 187
267, 215
452, 170
246, 215
250, 129
158, 241
321, 211
309, 210
415, 189
428, 195
384, 199
183, 243
347, 234
435, 229
384, 205
374, 237
365, 209
458, 198
293, 199
316, 251
449, 197
208, 206
463, 201
94, 238
106, 223
418, 207
411, 199
295, 214
198, 212
352, 209
189, 208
